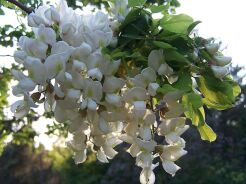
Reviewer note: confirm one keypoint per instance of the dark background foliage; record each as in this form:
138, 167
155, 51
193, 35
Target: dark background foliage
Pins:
220, 162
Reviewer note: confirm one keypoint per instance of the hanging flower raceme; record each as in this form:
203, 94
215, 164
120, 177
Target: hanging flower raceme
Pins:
122, 77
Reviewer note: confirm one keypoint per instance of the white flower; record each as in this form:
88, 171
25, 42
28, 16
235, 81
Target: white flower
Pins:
109, 68
46, 35
113, 84
135, 94
102, 157
35, 20
104, 126
95, 73
52, 15
20, 56
21, 107
114, 99
36, 69
172, 129
147, 76
170, 154
220, 71
25, 83
152, 88
145, 133
212, 48
79, 147
120, 9
147, 176
93, 90
33, 47
144, 159
82, 52
96, 30
78, 66
55, 64
61, 47
156, 61
147, 146
170, 167
80, 156
165, 70
107, 144
222, 60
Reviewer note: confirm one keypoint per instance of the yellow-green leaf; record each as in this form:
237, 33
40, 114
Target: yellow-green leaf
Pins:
207, 133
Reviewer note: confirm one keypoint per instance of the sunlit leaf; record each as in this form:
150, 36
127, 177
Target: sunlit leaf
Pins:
207, 133
176, 23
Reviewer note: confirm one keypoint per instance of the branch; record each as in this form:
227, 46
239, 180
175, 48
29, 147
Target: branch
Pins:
21, 6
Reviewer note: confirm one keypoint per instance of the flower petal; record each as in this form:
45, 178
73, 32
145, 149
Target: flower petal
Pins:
155, 59
170, 167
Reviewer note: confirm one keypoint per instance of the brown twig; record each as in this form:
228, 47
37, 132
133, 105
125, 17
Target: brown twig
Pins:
21, 6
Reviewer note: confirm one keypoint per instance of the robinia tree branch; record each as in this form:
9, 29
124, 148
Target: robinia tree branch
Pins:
21, 6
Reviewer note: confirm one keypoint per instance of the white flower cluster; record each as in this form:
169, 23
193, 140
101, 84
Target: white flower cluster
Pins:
220, 64
65, 70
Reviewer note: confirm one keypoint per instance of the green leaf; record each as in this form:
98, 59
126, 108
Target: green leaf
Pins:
193, 108
207, 133
176, 23
166, 88
217, 94
132, 16
192, 26
157, 9
163, 45
173, 55
2, 12
236, 89
184, 82
133, 3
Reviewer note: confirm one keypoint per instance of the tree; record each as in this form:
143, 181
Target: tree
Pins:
129, 78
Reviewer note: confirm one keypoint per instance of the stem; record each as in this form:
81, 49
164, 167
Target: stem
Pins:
21, 6
7, 55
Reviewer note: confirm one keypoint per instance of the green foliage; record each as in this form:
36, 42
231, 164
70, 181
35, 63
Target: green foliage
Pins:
218, 94
133, 3
89, 172
194, 108
176, 23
